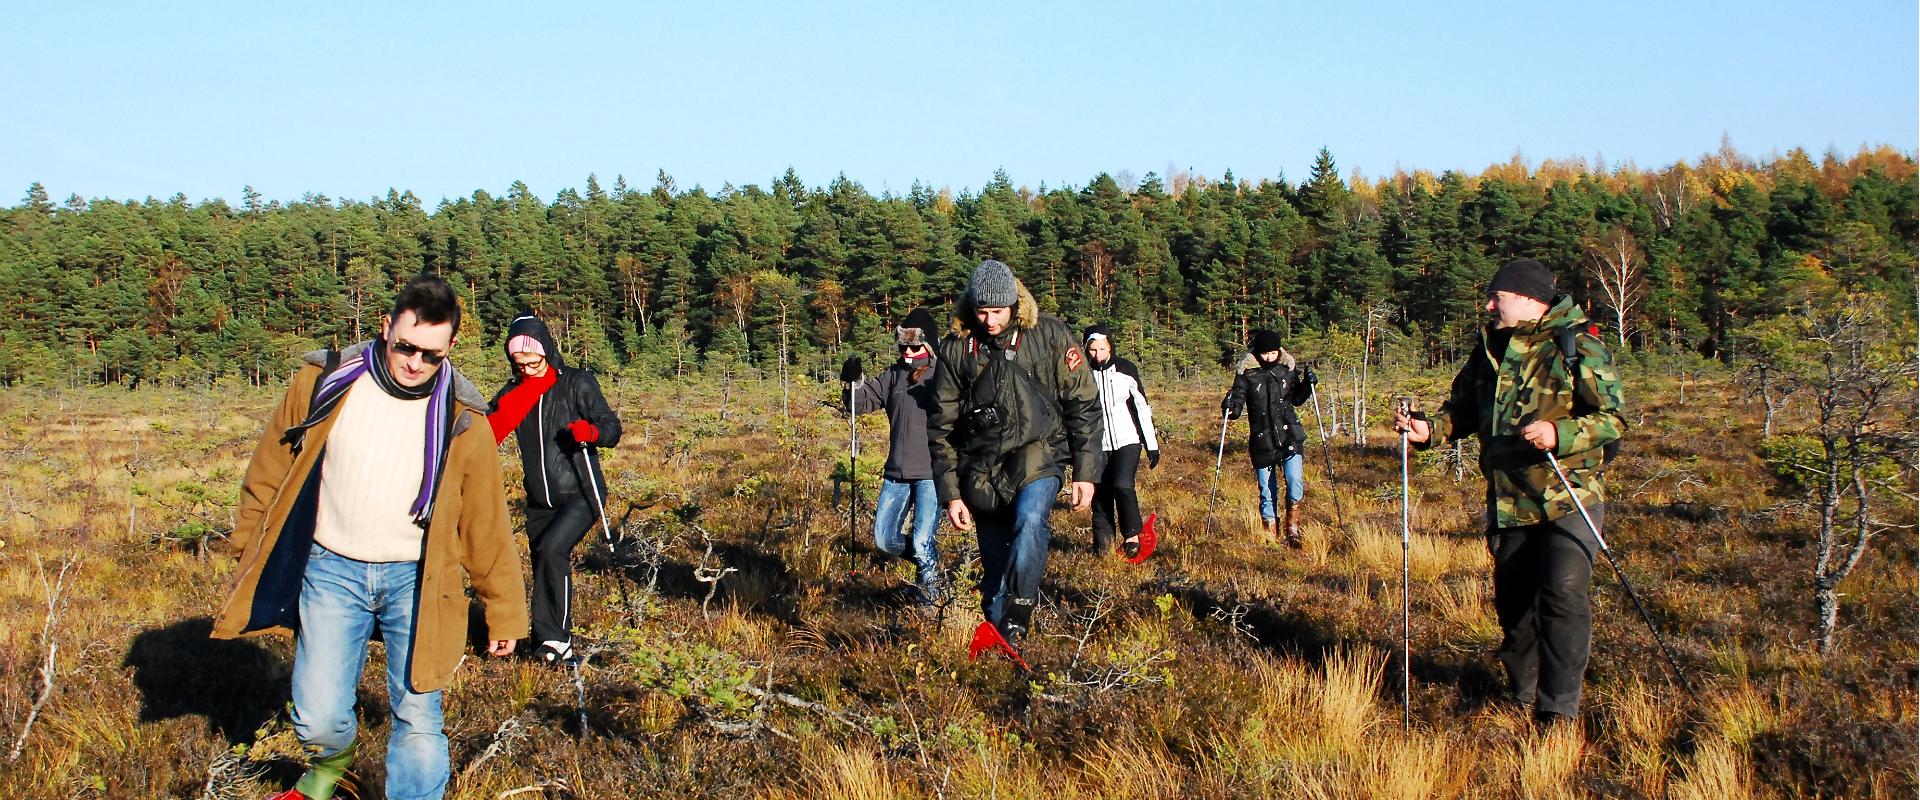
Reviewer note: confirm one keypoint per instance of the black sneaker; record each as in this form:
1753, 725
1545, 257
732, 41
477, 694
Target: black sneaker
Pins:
557, 654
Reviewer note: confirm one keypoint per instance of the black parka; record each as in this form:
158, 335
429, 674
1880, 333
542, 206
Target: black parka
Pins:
553, 461
1043, 348
1269, 394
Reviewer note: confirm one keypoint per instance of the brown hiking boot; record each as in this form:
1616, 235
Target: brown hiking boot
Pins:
1294, 539
1268, 531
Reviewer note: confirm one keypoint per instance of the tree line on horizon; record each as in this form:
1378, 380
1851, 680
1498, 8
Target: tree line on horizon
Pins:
664, 280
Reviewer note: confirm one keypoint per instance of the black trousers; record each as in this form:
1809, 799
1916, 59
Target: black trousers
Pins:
551, 536
1542, 581
1114, 499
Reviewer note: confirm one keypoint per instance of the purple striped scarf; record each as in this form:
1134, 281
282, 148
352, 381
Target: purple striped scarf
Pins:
438, 394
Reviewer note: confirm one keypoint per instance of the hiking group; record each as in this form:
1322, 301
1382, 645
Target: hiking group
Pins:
375, 485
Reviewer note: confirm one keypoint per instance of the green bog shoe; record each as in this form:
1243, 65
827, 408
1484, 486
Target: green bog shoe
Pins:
327, 777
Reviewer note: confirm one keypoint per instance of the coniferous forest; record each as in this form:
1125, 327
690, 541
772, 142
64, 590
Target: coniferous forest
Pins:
660, 280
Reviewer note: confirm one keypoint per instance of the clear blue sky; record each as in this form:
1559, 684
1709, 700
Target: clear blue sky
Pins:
133, 100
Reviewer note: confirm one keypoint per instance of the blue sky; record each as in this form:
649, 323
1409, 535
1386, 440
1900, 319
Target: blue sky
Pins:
349, 99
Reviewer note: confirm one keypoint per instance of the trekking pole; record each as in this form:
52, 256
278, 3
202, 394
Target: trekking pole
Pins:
1214, 493
1327, 452
1625, 584
1406, 574
850, 374
853, 481
598, 504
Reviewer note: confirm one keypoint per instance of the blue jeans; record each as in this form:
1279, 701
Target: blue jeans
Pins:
1270, 485
342, 601
1013, 547
889, 531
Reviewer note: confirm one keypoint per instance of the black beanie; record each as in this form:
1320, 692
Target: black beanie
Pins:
1525, 277
1101, 331
1264, 341
916, 329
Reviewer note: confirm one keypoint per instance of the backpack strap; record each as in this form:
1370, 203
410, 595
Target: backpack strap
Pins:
1568, 339
333, 363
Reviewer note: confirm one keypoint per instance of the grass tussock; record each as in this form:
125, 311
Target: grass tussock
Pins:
1225, 667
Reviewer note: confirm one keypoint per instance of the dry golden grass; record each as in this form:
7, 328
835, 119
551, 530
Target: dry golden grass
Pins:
1717, 771
1285, 673
1641, 724
1544, 765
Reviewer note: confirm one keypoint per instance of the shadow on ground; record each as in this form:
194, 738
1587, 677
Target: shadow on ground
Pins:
236, 684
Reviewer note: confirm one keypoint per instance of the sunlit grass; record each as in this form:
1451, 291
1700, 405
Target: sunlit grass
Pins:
1291, 704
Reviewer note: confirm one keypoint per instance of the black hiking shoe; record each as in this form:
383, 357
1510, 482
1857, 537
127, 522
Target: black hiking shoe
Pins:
1018, 619
1551, 722
558, 655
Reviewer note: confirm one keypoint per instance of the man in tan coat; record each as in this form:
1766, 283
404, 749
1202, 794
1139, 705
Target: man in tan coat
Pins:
375, 485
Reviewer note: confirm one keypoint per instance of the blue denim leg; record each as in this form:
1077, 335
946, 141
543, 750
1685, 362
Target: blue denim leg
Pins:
336, 620
926, 551
1269, 491
1013, 547
889, 514
341, 600
417, 761
1296, 478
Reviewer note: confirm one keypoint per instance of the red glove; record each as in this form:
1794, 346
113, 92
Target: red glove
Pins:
583, 431
515, 404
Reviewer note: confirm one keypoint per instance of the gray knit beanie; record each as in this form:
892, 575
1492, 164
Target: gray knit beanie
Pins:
993, 286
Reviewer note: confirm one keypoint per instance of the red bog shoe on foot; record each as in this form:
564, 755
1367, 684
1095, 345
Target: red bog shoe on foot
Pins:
1138, 550
987, 637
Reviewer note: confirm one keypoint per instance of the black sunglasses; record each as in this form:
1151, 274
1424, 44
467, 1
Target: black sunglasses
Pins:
409, 350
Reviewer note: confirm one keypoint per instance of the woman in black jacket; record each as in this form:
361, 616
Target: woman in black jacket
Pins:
560, 419
1268, 392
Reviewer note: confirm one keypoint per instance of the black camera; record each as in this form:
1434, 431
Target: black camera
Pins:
983, 418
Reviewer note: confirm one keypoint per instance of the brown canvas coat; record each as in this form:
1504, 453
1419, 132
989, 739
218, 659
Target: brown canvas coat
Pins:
469, 531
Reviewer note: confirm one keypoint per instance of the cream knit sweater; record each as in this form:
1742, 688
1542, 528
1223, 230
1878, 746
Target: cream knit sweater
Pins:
371, 475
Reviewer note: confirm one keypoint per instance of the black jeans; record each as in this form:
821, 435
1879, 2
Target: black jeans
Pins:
1542, 577
551, 536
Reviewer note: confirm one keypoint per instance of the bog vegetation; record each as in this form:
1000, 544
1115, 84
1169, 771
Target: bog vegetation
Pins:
735, 653
741, 646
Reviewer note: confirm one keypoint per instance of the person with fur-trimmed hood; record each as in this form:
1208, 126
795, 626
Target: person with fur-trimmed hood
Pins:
1269, 393
905, 392
561, 420
1014, 409
1128, 421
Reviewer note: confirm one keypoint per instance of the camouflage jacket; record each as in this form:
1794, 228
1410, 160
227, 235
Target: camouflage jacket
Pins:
1496, 395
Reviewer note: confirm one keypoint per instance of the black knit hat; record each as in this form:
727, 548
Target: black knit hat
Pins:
1264, 341
917, 329
1525, 277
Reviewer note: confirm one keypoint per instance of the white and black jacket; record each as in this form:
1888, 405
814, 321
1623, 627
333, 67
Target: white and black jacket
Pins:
1123, 407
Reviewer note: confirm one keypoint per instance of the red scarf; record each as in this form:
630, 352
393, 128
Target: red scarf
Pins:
519, 400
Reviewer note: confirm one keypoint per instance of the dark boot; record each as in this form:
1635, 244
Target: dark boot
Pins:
1294, 539
1017, 620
